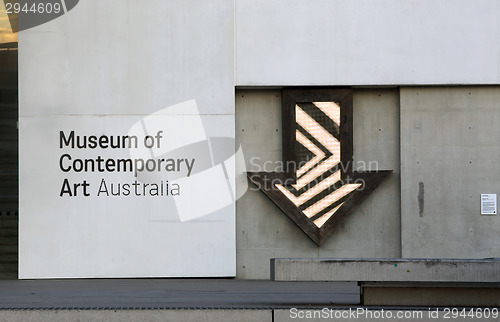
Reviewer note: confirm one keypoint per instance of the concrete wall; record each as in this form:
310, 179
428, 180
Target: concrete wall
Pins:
450, 154
363, 42
264, 232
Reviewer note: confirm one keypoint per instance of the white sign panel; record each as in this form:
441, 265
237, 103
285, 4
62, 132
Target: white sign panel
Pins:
101, 197
488, 204
127, 150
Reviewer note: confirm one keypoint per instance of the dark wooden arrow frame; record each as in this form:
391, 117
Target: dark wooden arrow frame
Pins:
266, 180
290, 97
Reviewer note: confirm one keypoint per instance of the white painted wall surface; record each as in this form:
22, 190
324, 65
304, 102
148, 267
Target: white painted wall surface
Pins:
129, 57
366, 42
99, 69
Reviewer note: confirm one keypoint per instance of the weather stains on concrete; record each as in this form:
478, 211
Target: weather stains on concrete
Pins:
421, 198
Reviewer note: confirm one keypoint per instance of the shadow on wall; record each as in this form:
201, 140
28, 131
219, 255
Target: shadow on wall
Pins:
8, 161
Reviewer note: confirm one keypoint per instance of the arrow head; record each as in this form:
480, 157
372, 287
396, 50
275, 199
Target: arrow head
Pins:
342, 198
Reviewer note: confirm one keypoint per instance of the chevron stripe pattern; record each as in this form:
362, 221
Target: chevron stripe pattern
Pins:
319, 192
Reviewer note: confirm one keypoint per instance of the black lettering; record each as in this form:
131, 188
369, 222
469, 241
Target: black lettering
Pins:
85, 185
126, 189
113, 144
103, 188
121, 165
103, 141
136, 185
129, 139
110, 165
92, 142
66, 188
67, 141
92, 165
100, 160
82, 144
176, 190
61, 163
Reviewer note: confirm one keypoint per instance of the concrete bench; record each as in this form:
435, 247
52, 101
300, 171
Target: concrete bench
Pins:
409, 282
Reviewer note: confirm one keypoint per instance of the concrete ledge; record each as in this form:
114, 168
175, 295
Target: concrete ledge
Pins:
386, 270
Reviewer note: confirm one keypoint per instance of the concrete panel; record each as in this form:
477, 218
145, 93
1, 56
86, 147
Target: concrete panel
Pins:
449, 156
373, 229
386, 270
325, 42
137, 315
264, 232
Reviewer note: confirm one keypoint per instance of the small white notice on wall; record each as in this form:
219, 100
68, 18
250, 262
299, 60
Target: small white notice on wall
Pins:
489, 204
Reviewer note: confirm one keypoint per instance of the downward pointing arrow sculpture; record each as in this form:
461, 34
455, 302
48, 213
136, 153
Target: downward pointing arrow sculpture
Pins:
320, 188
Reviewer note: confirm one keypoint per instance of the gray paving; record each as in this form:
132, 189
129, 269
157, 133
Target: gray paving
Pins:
173, 294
